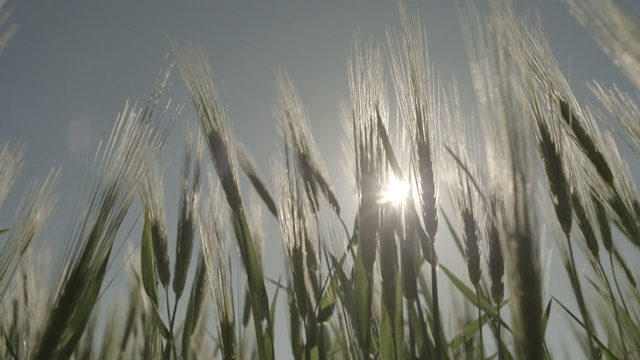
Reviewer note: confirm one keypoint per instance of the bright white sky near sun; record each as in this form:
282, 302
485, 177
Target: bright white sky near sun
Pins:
68, 71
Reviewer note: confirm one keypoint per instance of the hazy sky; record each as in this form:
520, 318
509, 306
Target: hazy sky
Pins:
71, 66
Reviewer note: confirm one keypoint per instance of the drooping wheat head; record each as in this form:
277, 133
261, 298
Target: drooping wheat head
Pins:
616, 32
32, 214
367, 99
198, 76
215, 236
189, 203
504, 99
250, 168
10, 165
462, 175
120, 169
153, 200
418, 98
7, 33
293, 217
294, 126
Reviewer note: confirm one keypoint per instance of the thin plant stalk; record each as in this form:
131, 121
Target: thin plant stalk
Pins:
615, 281
437, 336
577, 287
499, 336
480, 322
614, 305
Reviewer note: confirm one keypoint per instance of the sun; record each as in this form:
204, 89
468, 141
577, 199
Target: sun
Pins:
396, 191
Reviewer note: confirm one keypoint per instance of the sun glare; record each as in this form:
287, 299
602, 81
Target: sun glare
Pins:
396, 191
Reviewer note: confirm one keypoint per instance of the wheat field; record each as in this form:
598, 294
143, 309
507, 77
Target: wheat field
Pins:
534, 169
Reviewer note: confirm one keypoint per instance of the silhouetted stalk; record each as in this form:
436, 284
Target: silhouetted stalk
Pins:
437, 336
580, 298
423, 323
612, 299
480, 322
500, 351
613, 302
412, 335
615, 281
172, 317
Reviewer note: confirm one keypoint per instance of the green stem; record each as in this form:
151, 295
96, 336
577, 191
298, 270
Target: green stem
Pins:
423, 323
172, 317
615, 281
612, 298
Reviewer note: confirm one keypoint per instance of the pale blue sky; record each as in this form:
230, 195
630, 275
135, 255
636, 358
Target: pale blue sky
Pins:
68, 71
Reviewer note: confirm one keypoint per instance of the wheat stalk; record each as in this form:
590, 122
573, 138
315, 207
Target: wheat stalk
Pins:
214, 235
189, 202
153, 200
123, 164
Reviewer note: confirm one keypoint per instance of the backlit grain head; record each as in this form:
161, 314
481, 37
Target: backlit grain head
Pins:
10, 165
215, 236
463, 175
32, 214
189, 203
293, 213
550, 145
367, 95
6, 32
603, 223
119, 170
153, 200
511, 165
418, 96
584, 220
615, 30
250, 168
198, 76
294, 125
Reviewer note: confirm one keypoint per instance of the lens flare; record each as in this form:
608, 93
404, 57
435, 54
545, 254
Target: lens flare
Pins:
396, 191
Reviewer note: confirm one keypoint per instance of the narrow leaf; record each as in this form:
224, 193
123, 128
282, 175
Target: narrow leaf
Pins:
327, 304
194, 307
388, 149
545, 317
247, 164
326, 190
363, 296
157, 319
601, 346
146, 260
471, 296
9, 346
272, 312
468, 332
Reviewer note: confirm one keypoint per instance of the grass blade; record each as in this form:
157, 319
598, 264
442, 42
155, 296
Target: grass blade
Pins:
194, 307
248, 165
146, 261
363, 297
471, 295
605, 350
468, 332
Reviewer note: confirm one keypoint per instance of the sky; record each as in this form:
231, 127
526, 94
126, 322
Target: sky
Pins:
72, 65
